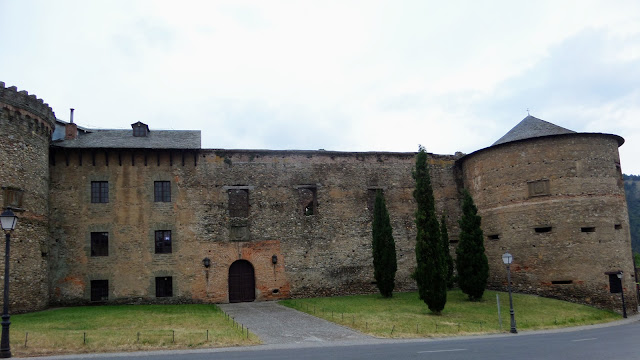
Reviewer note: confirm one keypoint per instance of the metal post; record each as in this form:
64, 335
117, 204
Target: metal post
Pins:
624, 308
513, 317
5, 348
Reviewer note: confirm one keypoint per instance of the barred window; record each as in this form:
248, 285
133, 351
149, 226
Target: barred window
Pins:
162, 191
99, 191
164, 286
163, 241
99, 244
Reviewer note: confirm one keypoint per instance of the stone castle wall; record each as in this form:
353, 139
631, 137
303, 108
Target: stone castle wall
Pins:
557, 205
326, 253
26, 124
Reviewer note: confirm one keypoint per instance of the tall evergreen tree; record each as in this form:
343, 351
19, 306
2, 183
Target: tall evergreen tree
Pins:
384, 248
431, 271
447, 255
471, 261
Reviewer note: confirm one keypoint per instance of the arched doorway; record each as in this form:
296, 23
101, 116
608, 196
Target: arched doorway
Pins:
242, 282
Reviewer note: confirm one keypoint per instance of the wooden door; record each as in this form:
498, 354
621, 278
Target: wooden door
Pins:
242, 283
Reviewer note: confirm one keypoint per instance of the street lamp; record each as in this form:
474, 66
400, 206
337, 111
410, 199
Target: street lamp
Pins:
507, 259
8, 221
624, 308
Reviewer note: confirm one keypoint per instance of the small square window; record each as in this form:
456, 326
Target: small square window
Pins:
163, 241
13, 197
162, 191
99, 290
99, 191
99, 244
164, 286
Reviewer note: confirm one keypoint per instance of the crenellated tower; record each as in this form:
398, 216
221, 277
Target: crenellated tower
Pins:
26, 125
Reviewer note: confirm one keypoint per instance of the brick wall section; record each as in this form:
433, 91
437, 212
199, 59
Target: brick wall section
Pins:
26, 124
327, 253
584, 190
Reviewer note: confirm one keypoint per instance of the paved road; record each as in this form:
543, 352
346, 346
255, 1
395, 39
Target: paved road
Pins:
617, 342
277, 324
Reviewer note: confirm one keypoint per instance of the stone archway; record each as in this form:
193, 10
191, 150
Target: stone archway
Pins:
242, 282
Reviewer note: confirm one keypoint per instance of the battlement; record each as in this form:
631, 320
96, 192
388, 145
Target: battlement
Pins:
21, 99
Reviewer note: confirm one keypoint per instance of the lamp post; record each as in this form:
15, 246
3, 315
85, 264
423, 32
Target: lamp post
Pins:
507, 259
624, 308
8, 221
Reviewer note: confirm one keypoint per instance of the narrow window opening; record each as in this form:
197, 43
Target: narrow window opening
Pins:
618, 226
543, 229
99, 290
99, 244
562, 282
494, 237
163, 241
164, 286
309, 200
588, 229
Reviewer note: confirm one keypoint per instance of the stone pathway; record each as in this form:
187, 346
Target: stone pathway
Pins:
277, 324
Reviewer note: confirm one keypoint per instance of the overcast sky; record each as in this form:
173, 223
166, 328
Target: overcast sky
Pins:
335, 75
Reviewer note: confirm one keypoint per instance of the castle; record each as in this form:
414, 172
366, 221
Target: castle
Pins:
148, 216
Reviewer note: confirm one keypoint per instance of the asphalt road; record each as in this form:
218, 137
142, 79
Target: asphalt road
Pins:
615, 342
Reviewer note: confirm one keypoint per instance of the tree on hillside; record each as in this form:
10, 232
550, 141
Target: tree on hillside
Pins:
431, 271
447, 255
384, 248
471, 261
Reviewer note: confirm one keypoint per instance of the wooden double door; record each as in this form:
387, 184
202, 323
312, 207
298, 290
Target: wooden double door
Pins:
242, 282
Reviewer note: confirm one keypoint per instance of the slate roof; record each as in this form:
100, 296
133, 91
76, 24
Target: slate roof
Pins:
532, 127
124, 139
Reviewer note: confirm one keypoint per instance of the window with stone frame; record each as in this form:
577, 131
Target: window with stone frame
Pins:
99, 290
12, 197
162, 191
99, 191
308, 196
99, 244
164, 286
163, 241
238, 203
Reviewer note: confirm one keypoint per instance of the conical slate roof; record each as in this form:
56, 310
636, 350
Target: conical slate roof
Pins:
532, 127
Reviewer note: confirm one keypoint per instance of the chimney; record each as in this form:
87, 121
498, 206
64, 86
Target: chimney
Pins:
71, 129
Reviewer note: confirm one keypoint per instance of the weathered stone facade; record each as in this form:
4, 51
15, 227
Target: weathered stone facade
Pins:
122, 219
26, 124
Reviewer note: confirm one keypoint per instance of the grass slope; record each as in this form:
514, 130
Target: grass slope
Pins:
116, 328
405, 315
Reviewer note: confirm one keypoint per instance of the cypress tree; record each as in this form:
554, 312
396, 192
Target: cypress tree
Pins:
431, 271
471, 261
447, 255
384, 248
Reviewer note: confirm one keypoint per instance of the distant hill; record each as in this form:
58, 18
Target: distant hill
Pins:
632, 189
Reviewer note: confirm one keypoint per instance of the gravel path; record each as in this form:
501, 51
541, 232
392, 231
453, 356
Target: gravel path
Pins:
277, 324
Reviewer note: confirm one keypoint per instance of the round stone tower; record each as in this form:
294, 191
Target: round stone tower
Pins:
26, 125
555, 200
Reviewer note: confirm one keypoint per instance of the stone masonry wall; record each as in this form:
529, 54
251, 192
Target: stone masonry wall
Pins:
558, 205
327, 252
26, 124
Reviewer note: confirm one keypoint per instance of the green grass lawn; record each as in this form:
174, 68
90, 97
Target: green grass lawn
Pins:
405, 315
124, 328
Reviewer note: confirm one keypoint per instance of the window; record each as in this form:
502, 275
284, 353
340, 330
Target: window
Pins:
543, 229
618, 226
164, 286
99, 244
493, 237
99, 290
162, 191
308, 200
140, 129
588, 229
99, 191
562, 282
239, 203
163, 242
